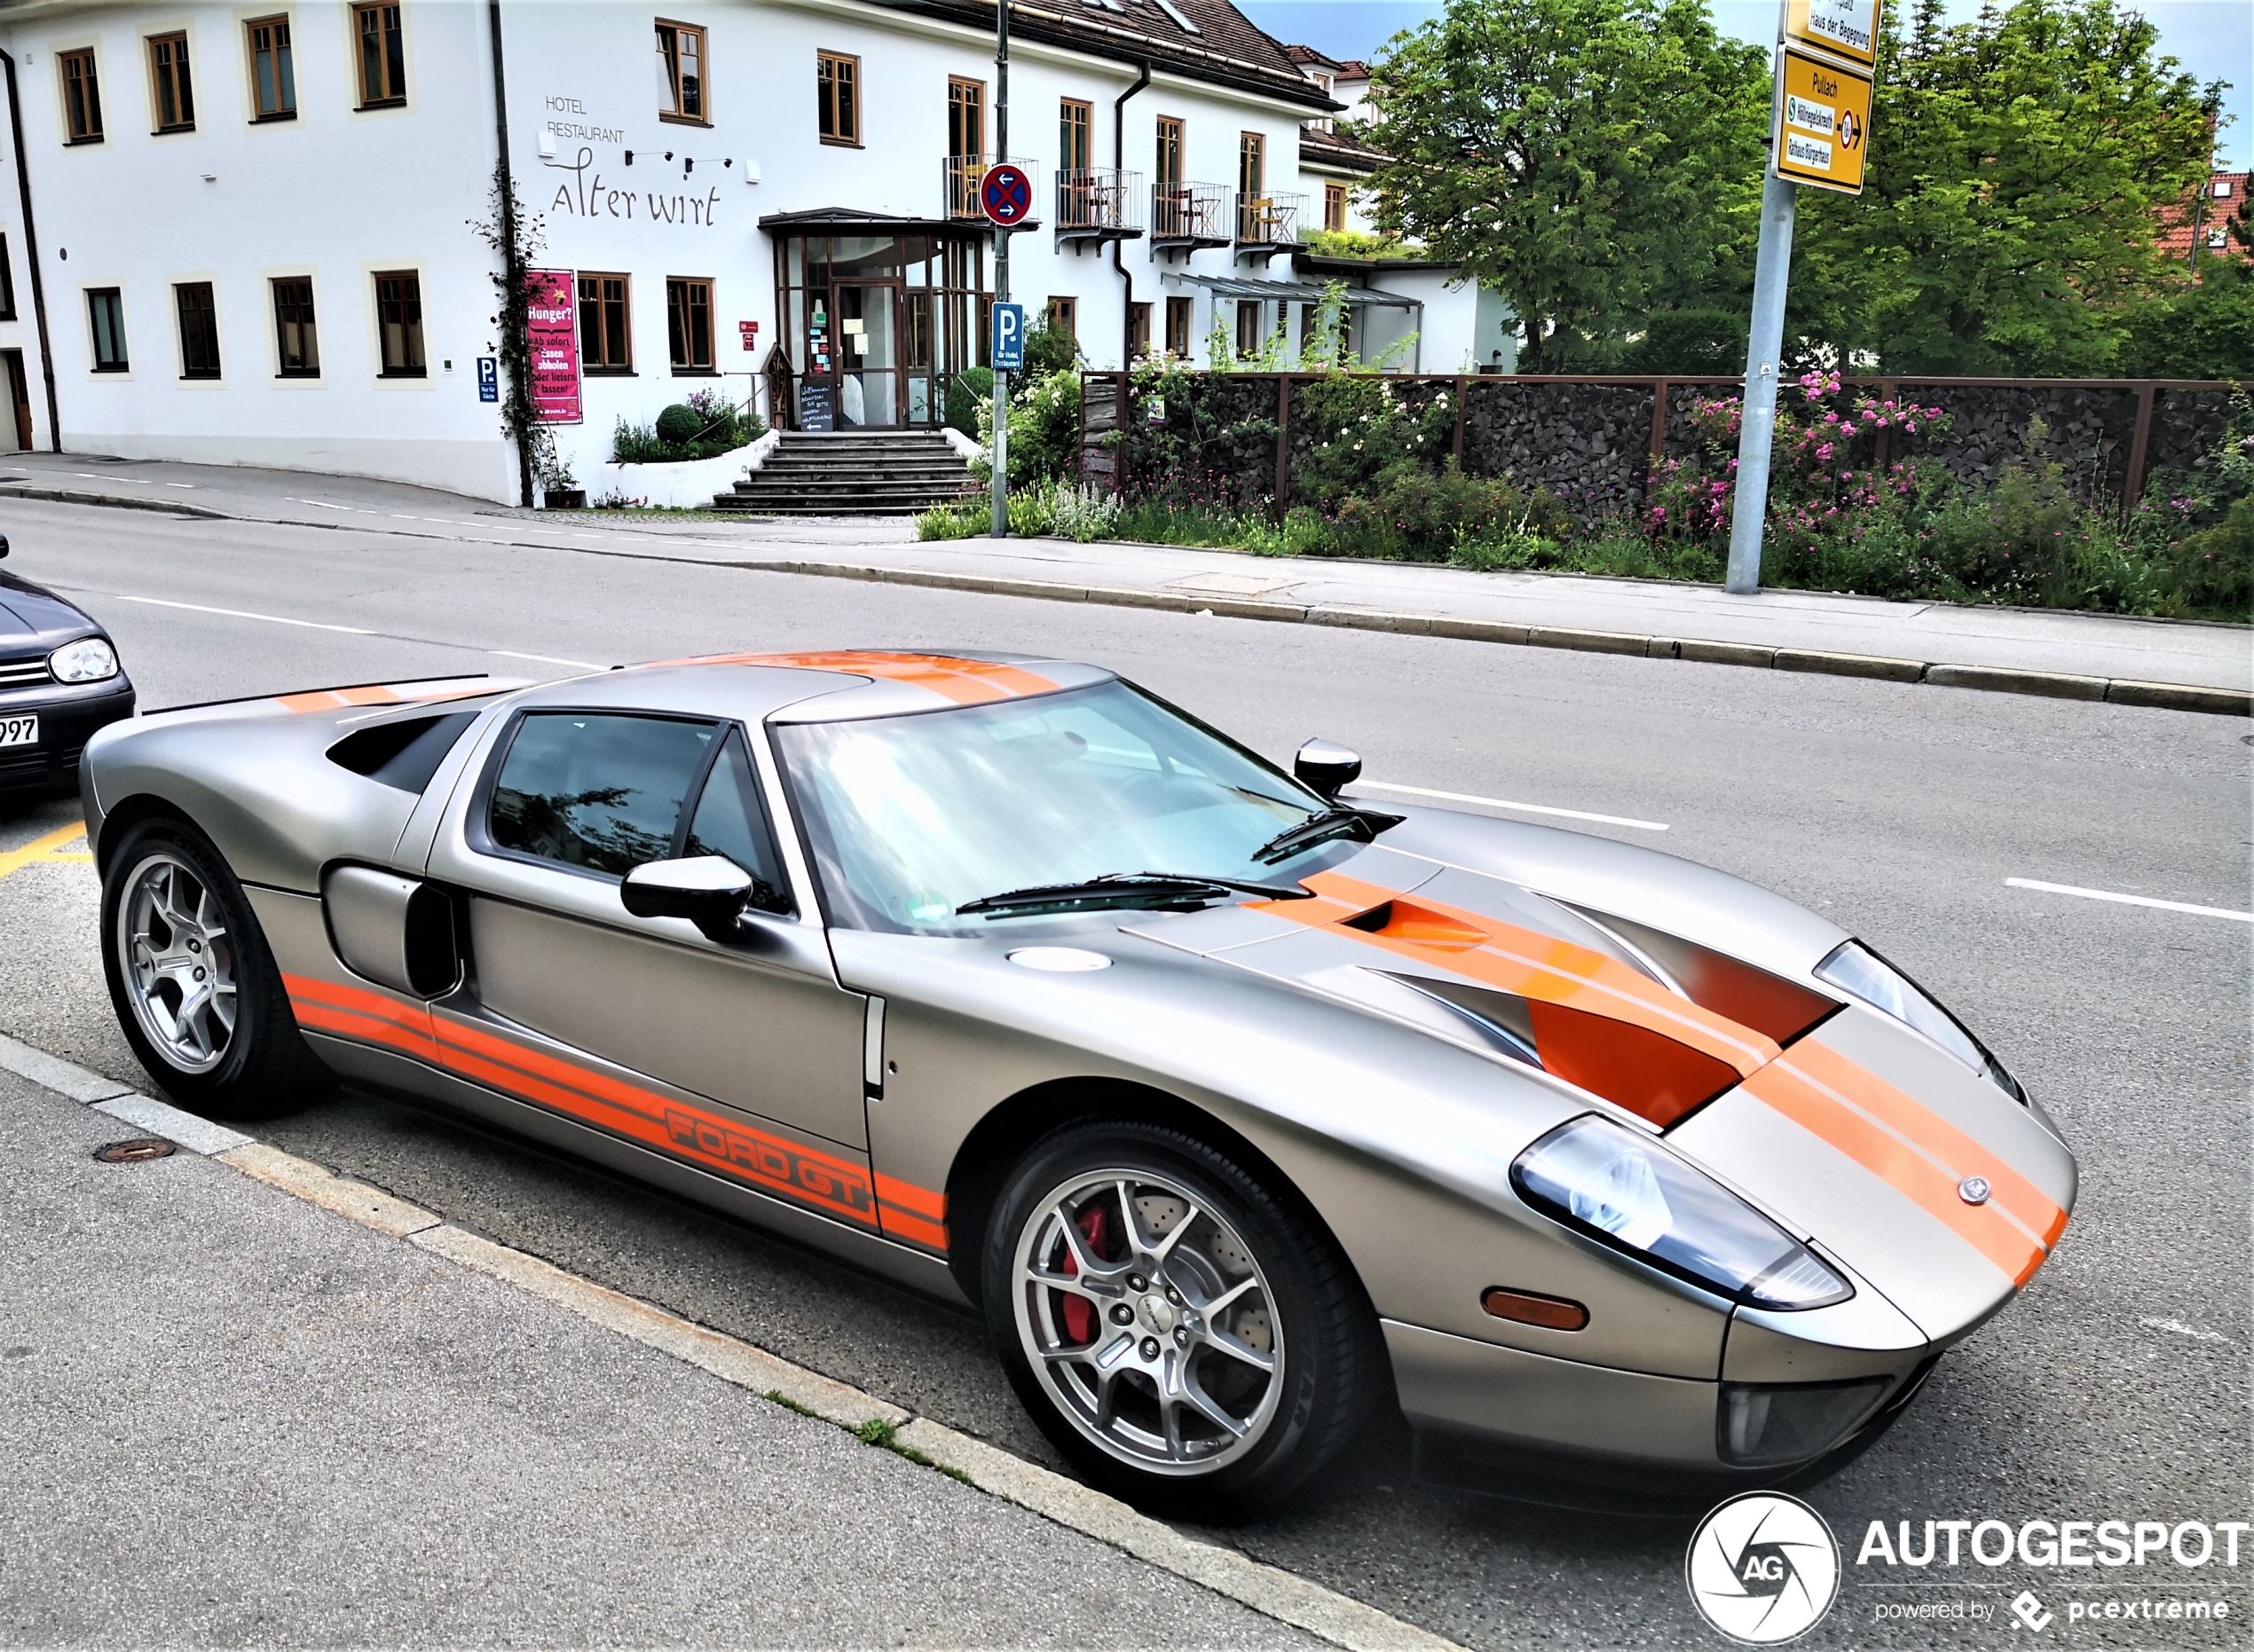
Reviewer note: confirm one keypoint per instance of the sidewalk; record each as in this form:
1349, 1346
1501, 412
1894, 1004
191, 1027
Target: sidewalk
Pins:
2070, 655
228, 1415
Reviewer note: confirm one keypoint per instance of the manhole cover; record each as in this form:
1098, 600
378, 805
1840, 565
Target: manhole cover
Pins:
131, 1152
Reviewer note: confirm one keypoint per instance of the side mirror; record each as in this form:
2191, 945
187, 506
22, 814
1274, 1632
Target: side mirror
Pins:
711, 891
3, 545
1327, 766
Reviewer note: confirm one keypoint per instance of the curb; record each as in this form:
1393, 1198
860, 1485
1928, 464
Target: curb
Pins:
1272, 1592
2172, 696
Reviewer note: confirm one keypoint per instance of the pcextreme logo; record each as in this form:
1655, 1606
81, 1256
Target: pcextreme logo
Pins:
1763, 1569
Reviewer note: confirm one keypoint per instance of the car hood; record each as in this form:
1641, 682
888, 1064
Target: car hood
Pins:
1853, 1131
29, 613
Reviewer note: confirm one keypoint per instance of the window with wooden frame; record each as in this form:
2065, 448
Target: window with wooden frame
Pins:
297, 353
1252, 166
689, 323
1137, 330
382, 56
837, 97
1248, 327
81, 96
106, 313
1075, 124
199, 315
680, 74
274, 72
965, 117
169, 86
1169, 158
1334, 206
604, 343
398, 323
1177, 327
1064, 317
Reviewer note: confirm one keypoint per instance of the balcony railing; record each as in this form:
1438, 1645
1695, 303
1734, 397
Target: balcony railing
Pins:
962, 176
1270, 220
1196, 213
1099, 201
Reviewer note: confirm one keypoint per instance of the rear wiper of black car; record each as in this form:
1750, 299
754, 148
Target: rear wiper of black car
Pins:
1336, 821
1125, 889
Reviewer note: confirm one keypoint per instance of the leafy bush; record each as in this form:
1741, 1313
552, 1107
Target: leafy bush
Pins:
705, 426
965, 393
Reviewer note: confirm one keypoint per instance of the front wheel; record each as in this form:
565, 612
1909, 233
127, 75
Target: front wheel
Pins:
193, 983
1186, 1337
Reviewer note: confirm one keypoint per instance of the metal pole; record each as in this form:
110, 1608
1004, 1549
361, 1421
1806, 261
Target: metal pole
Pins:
1001, 271
1757, 428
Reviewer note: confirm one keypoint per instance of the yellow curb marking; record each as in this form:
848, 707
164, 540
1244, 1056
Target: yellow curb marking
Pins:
45, 851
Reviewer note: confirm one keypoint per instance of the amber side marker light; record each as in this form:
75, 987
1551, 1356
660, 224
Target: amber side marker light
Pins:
1552, 1313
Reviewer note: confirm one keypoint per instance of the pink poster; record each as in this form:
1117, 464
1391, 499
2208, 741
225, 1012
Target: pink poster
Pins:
553, 326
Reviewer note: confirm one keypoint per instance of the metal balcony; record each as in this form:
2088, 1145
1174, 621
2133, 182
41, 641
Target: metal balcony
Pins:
1268, 224
1098, 204
1185, 217
961, 177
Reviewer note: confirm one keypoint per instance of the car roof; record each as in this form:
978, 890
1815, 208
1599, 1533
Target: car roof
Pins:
820, 686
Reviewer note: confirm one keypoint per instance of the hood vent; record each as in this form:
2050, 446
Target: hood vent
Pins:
1748, 994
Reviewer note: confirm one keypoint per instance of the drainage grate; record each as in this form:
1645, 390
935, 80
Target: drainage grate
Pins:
133, 1152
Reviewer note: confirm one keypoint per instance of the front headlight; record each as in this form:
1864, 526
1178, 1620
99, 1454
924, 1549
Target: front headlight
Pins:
1629, 1192
1857, 970
89, 659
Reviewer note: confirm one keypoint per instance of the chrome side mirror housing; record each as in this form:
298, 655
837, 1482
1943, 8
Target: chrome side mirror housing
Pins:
711, 891
1325, 766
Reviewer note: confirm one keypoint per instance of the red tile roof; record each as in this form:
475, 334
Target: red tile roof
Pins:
2213, 212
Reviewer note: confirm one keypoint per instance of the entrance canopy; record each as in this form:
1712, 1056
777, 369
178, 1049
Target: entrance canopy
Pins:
1298, 292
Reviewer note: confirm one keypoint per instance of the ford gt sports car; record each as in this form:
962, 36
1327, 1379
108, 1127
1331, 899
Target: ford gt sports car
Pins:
59, 681
1240, 1110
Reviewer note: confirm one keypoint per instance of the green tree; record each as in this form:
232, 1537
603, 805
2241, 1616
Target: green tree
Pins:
1593, 161
2019, 164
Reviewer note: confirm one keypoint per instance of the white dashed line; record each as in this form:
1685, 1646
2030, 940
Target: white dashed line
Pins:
1522, 808
90, 475
545, 660
2129, 901
237, 613
322, 504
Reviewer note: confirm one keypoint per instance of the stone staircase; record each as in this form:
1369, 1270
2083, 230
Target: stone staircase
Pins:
850, 473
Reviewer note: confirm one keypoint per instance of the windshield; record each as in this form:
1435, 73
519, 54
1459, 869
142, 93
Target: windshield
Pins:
912, 817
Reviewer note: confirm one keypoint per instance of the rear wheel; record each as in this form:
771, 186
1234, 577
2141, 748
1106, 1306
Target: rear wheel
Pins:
1186, 1337
193, 983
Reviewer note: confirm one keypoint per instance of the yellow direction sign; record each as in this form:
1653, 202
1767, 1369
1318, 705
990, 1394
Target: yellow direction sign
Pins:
1845, 29
1822, 122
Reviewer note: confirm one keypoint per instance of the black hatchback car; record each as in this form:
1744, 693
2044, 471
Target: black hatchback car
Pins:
59, 681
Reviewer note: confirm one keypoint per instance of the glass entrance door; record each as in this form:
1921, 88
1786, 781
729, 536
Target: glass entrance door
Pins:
868, 355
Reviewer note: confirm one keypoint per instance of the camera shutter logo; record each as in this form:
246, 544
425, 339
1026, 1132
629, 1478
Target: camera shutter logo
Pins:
1763, 1568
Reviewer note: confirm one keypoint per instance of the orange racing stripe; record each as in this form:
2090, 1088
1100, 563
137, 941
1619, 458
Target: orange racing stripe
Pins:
909, 1211
965, 681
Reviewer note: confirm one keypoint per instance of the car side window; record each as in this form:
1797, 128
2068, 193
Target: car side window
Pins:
599, 791
731, 818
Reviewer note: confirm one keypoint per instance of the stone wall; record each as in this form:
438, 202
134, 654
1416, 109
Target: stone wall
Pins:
1588, 442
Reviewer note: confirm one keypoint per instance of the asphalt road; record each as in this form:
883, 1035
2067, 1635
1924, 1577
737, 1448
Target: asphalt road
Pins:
2115, 1389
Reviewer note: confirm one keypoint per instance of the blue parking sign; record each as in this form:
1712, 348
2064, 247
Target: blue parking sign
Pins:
488, 378
1009, 338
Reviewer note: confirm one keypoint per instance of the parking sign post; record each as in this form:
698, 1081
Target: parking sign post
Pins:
1001, 486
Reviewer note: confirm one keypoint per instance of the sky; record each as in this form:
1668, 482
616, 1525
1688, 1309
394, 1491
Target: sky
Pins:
2214, 39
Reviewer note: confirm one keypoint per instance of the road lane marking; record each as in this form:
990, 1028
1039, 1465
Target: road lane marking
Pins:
47, 850
322, 504
2128, 901
237, 613
1524, 808
178, 485
545, 660
89, 476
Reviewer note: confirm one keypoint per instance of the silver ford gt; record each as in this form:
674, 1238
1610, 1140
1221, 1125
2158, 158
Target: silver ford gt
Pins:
1241, 1110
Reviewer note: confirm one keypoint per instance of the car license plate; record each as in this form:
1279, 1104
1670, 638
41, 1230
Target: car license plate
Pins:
19, 731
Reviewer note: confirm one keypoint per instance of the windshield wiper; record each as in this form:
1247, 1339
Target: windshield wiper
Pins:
1336, 821
1126, 889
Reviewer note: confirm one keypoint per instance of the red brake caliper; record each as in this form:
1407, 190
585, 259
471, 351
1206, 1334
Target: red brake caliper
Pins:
1079, 1312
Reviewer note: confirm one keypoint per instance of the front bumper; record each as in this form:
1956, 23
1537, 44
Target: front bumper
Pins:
1497, 1418
68, 719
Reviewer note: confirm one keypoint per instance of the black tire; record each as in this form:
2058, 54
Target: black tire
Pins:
1332, 1372
262, 1065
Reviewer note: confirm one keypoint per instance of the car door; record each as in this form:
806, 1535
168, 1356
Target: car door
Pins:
569, 802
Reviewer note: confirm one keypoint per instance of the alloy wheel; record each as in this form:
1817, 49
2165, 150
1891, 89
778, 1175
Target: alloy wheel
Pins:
1148, 1322
179, 962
